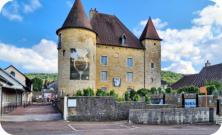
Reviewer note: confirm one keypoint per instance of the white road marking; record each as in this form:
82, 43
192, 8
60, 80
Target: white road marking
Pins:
71, 127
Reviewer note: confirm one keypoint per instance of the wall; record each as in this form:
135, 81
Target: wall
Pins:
18, 75
172, 116
211, 101
105, 108
117, 67
60, 105
75, 38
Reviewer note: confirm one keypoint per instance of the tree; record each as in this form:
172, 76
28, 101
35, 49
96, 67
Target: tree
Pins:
100, 93
159, 90
142, 92
168, 90
136, 97
113, 94
211, 89
216, 83
37, 84
153, 90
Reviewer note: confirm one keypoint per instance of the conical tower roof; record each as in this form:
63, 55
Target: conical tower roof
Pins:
77, 18
150, 32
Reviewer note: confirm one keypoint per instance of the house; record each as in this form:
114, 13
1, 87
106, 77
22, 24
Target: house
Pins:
13, 91
102, 53
207, 74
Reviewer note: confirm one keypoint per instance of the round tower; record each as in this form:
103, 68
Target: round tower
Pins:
76, 52
152, 55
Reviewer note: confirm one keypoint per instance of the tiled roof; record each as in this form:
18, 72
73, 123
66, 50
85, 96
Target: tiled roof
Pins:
77, 18
110, 30
207, 74
150, 32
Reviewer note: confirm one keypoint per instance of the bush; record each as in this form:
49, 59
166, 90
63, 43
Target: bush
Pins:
211, 89
100, 93
79, 93
169, 90
216, 83
153, 90
120, 100
148, 99
132, 94
88, 92
160, 90
113, 94
127, 96
189, 89
136, 97
142, 92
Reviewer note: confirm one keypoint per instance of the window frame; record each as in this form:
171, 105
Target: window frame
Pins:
127, 62
127, 80
152, 65
101, 78
106, 60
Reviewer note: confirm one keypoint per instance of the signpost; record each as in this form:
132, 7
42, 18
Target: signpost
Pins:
204, 91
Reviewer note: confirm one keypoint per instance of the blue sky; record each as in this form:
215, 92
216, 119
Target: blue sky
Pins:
191, 30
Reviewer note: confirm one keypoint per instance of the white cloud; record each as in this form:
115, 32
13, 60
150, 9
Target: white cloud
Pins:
187, 49
11, 12
32, 6
40, 58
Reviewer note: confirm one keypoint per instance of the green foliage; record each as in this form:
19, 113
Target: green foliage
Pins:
171, 77
88, 92
127, 96
148, 99
132, 94
37, 84
189, 89
67, 95
44, 76
211, 89
100, 93
169, 90
120, 100
216, 83
79, 93
160, 90
153, 90
136, 97
113, 94
142, 92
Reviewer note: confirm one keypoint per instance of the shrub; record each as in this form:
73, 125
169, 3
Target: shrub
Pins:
136, 97
216, 83
120, 100
100, 93
127, 96
211, 89
79, 93
88, 92
142, 92
148, 99
67, 95
132, 94
113, 94
153, 90
189, 89
169, 90
160, 90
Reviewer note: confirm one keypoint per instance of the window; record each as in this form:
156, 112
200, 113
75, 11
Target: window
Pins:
64, 52
130, 62
123, 41
151, 80
60, 41
152, 65
129, 77
104, 76
12, 73
104, 89
154, 44
104, 60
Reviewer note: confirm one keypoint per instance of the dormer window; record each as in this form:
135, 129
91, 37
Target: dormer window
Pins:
60, 41
123, 40
12, 73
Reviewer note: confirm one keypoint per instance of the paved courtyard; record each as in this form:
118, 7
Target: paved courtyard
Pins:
103, 128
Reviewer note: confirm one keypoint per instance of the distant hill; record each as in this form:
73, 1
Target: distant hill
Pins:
169, 77
44, 76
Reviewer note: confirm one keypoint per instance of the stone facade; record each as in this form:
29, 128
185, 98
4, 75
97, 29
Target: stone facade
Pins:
76, 38
18, 75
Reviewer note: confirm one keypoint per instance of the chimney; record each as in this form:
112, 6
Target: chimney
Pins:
207, 64
92, 13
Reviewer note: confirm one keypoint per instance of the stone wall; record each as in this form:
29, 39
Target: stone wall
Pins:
211, 101
105, 108
172, 116
60, 105
174, 99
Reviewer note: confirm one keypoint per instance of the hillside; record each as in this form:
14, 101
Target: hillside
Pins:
167, 76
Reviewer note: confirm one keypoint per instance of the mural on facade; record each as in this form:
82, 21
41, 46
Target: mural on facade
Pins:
79, 64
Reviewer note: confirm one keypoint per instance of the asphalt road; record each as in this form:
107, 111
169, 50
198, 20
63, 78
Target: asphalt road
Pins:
103, 128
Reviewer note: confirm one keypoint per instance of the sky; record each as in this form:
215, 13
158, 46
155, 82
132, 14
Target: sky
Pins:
190, 29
